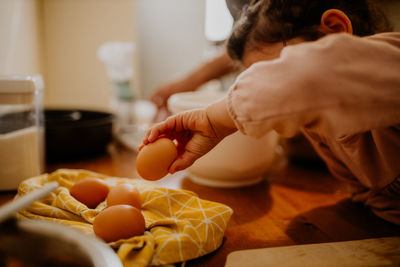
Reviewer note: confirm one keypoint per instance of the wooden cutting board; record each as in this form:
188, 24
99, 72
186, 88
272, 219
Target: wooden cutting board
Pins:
367, 252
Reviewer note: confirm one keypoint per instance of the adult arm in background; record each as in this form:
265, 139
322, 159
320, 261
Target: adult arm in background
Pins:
212, 69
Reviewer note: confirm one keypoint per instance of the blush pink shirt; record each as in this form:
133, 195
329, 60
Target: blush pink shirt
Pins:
343, 93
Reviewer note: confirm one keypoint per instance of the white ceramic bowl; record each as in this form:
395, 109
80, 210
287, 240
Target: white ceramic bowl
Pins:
238, 160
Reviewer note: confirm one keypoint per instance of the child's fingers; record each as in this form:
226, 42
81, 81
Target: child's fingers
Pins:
151, 134
163, 128
145, 140
154, 133
183, 161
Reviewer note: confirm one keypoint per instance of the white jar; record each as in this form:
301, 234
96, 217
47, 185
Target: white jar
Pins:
238, 160
21, 129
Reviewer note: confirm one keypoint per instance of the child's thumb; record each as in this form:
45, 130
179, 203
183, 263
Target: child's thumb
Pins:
185, 160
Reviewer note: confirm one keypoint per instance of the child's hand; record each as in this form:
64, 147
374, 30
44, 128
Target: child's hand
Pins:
196, 132
193, 132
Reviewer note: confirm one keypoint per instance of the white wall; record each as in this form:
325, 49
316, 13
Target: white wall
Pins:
21, 37
73, 31
59, 39
171, 39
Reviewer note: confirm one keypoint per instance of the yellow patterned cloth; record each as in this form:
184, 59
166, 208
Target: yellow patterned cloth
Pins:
179, 225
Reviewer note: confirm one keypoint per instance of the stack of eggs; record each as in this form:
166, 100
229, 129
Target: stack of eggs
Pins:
122, 218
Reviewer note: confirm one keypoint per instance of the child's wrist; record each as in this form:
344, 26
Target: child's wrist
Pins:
220, 120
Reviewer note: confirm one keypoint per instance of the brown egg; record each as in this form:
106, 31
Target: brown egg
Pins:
90, 191
153, 161
117, 222
124, 194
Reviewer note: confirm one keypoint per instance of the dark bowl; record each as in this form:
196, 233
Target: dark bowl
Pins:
76, 134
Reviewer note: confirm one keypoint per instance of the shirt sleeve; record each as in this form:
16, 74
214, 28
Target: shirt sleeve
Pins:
336, 86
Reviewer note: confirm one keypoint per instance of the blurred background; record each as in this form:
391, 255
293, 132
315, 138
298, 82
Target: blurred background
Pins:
59, 39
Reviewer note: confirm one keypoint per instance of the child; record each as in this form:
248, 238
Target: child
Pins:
341, 91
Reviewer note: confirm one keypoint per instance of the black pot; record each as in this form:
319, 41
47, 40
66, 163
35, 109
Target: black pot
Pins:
76, 134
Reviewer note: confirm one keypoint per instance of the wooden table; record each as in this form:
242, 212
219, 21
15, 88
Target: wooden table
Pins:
296, 205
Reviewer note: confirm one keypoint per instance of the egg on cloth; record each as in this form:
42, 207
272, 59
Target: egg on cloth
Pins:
119, 222
90, 191
154, 159
179, 225
125, 193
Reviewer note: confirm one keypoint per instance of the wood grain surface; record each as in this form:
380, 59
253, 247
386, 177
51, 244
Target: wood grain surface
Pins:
299, 204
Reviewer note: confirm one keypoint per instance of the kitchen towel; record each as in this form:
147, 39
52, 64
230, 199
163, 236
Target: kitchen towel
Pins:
179, 225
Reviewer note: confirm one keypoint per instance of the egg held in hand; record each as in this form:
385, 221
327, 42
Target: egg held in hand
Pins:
126, 194
154, 159
90, 191
119, 222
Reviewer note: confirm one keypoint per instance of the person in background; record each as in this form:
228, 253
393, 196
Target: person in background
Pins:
308, 69
212, 69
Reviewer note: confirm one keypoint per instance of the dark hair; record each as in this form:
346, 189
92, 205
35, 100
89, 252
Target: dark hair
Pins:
270, 21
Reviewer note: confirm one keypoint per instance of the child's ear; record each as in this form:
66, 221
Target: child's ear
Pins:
335, 21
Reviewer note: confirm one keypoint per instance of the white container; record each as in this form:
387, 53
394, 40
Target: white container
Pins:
238, 160
21, 129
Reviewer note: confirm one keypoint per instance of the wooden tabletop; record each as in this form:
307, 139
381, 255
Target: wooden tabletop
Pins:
296, 205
